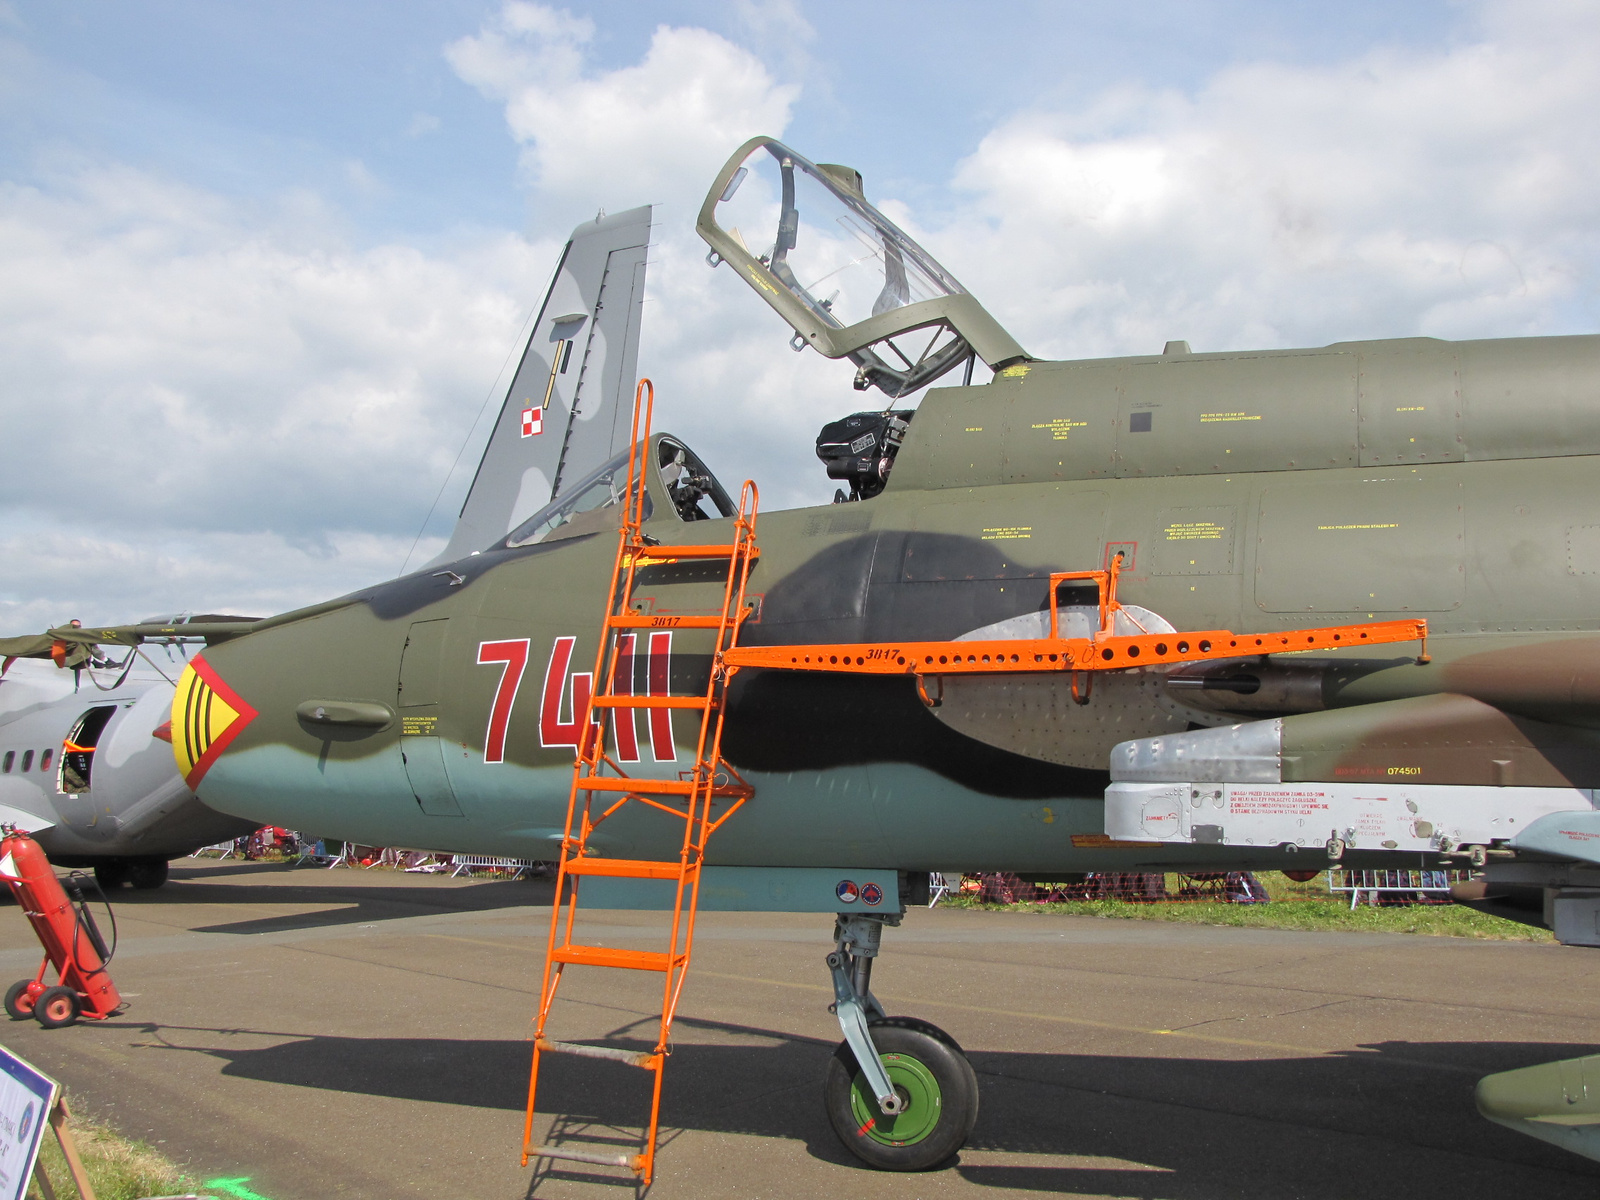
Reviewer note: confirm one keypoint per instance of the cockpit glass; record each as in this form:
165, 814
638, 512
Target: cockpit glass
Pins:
840, 256
600, 489
695, 494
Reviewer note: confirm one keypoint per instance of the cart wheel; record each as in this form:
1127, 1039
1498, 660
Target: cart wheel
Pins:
935, 1082
56, 1007
18, 1003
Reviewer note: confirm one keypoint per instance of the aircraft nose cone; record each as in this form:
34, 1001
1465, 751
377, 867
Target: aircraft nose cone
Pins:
1556, 1093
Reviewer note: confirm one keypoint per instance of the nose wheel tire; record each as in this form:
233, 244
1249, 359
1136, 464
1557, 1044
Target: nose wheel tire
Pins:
56, 1007
19, 1005
937, 1088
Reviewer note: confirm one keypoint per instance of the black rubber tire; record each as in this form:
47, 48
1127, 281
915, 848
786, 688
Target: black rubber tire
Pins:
147, 874
943, 1059
57, 1007
111, 874
18, 1004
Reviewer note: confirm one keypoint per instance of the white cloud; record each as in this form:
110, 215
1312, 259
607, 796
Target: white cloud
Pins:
1447, 193
657, 130
106, 572
191, 383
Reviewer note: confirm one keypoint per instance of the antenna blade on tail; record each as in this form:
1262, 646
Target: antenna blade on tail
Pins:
567, 409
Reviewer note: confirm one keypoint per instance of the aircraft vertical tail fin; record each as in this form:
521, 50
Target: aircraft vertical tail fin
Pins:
567, 408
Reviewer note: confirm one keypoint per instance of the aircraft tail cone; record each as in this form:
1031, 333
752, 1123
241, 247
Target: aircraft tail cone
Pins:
1556, 1102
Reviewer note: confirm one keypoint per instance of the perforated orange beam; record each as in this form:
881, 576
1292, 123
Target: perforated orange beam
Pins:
655, 622
1066, 654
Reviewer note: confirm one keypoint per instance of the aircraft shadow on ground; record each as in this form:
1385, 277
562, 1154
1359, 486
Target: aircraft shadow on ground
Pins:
342, 903
1393, 1119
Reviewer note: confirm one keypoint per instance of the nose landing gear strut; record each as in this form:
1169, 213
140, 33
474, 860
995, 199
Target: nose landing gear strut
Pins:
899, 1092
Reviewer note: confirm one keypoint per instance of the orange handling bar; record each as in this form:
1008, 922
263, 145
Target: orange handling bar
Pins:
1103, 653
655, 787
629, 868
648, 553
648, 701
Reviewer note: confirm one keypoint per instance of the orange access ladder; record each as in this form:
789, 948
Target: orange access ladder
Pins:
601, 788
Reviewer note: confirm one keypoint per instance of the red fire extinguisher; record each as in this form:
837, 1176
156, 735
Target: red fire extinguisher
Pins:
72, 942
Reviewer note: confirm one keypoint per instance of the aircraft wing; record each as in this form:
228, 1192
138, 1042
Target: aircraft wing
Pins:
569, 405
135, 635
74, 651
28, 646
26, 821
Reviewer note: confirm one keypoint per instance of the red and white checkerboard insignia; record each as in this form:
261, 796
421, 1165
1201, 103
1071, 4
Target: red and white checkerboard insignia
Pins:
532, 421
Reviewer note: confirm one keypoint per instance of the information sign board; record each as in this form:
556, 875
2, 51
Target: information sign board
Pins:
27, 1097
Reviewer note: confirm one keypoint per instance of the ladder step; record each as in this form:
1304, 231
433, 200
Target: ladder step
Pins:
605, 956
628, 868
634, 1058
666, 622
632, 1162
657, 787
649, 787
648, 701
646, 553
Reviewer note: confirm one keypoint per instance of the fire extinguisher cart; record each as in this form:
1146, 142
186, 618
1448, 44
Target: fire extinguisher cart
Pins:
74, 949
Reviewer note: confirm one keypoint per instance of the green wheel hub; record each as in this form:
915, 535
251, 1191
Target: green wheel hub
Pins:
919, 1094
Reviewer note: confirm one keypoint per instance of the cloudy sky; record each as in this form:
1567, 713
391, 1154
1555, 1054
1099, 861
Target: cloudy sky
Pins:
262, 266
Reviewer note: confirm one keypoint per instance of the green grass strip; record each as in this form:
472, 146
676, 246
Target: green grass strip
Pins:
1293, 906
119, 1168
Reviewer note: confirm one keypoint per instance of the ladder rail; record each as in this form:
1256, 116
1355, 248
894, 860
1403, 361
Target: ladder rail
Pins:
633, 505
632, 512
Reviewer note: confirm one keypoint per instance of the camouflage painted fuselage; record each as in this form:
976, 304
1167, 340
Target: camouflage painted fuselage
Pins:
1257, 492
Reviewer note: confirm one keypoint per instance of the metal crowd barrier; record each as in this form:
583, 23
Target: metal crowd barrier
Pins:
1372, 884
472, 862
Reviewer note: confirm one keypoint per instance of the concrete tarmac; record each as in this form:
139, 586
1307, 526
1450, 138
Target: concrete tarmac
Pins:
357, 1033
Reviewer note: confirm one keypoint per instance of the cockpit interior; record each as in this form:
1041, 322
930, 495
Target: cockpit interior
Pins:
588, 506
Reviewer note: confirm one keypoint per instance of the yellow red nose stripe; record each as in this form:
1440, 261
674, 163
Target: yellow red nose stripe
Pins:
207, 715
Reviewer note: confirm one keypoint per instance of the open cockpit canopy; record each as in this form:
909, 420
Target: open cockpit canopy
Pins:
848, 280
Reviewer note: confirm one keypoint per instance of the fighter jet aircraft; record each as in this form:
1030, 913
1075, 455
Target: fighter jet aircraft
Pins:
1082, 514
